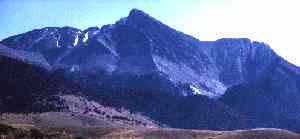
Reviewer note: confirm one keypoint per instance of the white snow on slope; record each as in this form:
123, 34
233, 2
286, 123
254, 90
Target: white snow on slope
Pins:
197, 91
86, 37
74, 68
57, 45
96, 32
76, 40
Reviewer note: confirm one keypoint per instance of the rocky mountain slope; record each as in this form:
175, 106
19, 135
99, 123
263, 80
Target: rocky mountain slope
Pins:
141, 45
144, 66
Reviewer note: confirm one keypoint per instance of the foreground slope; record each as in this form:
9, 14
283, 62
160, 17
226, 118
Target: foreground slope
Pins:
203, 134
23, 132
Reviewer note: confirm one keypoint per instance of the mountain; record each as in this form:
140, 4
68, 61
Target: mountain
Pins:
143, 65
141, 45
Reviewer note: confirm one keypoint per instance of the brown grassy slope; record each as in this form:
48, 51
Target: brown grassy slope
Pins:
202, 134
60, 125
8, 132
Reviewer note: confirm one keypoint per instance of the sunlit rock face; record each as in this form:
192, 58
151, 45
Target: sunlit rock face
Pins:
141, 45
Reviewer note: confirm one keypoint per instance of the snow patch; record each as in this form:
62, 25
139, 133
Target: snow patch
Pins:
96, 32
76, 40
57, 45
197, 91
74, 68
86, 37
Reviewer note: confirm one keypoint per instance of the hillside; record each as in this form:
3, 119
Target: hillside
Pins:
26, 132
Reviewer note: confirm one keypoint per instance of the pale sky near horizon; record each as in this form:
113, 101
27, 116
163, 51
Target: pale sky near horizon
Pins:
275, 22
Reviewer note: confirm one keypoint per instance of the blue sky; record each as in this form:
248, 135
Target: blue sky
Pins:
24, 15
275, 22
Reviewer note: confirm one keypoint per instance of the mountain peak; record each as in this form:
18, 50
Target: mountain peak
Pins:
139, 18
137, 12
